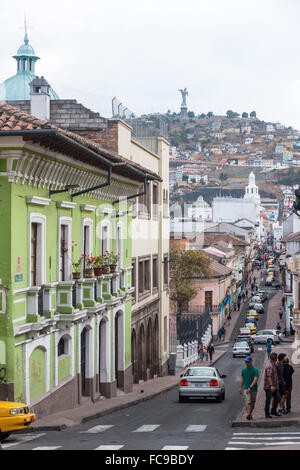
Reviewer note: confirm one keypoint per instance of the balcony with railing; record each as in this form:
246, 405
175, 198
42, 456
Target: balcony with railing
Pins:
61, 303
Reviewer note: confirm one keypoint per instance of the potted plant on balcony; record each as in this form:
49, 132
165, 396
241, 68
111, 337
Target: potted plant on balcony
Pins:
105, 266
98, 265
113, 260
88, 265
76, 268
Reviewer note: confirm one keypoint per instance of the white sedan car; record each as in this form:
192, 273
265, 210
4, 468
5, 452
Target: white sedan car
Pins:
202, 382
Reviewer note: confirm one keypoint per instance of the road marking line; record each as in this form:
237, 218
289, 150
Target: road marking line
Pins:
22, 440
287, 443
263, 433
147, 428
97, 429
109, 447
270, 438
47, 448
196, 428
235, 448
175, 448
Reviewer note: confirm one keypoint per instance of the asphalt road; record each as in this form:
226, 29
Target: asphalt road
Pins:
162, 421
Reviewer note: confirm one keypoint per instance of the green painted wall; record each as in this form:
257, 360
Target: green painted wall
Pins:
37, 369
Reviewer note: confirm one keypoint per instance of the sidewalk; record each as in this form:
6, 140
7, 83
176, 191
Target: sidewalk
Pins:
286, 346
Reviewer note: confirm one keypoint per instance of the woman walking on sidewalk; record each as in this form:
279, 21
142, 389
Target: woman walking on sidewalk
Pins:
271, 387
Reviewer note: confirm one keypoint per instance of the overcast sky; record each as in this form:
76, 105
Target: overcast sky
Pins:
230, 54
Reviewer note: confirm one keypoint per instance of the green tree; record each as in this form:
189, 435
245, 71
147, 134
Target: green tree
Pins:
223, 177
184, 265
202, 116
253, 114
210, 114
245, 115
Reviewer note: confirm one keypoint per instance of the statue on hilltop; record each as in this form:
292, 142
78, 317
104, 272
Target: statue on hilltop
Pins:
184, 94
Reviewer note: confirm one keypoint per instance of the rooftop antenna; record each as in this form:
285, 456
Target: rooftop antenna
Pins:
26, 40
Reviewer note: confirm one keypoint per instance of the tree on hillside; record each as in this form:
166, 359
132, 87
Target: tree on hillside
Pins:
253, 114
231, 114
210, 114
245, 115
223, 177
184, 265
202, 116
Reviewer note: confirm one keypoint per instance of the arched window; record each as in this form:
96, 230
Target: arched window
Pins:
62, 347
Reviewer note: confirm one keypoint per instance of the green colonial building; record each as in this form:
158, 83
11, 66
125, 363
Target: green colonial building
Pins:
62, 196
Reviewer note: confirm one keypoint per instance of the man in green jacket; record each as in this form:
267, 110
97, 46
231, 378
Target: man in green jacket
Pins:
249, 380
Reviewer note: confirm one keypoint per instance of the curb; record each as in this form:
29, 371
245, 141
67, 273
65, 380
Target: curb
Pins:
99, 414
265, 424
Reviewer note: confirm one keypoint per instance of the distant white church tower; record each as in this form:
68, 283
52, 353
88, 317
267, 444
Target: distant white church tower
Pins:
251, 191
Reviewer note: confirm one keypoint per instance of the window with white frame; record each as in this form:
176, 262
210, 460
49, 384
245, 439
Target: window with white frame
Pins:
36, 249
105, 237
65, 248
87, 238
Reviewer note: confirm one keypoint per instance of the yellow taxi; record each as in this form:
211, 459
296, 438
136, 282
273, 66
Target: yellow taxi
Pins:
252, 313
13, 417
251, 326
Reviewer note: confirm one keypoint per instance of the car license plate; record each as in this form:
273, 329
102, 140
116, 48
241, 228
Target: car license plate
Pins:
201, 384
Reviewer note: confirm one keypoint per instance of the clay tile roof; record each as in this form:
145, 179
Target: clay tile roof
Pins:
293, 237
211, 238
13, 119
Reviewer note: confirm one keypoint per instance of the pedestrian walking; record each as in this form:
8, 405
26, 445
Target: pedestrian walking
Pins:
243, 296
280, 314
220, 334
234, 306
278, 327
211, 351
288, 371
248, 385
229, 318
239, 305
223, 333
206, 353
271, 387
269, 348
246, 292
201, 351
282, 385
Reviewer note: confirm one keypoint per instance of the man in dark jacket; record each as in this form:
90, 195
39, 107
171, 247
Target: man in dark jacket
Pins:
288, 371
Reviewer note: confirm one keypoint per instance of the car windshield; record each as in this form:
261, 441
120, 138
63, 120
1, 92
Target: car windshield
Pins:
201, 371
241, 345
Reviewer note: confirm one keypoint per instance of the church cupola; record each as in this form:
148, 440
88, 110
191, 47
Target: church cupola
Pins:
25, 56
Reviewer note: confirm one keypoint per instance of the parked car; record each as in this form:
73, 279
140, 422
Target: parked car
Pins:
241, 349
248, 339
14, 417
202, 382
263, 295
244, 332
251, 326
266, 336
252, 313
259, 308
269, 280
256, 299
251, 320
276, 285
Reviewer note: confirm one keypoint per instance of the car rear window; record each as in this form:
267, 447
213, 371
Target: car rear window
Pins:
202, 371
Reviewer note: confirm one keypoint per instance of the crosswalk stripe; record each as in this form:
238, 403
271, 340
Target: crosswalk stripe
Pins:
97, 429
47, 448
21, 440
147, 428
196, 428
109, 447
175, 447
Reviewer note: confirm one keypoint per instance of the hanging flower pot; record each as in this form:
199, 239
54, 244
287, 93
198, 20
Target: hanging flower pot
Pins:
76, 275
98, 271
88, 272
112, 268
106, 269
